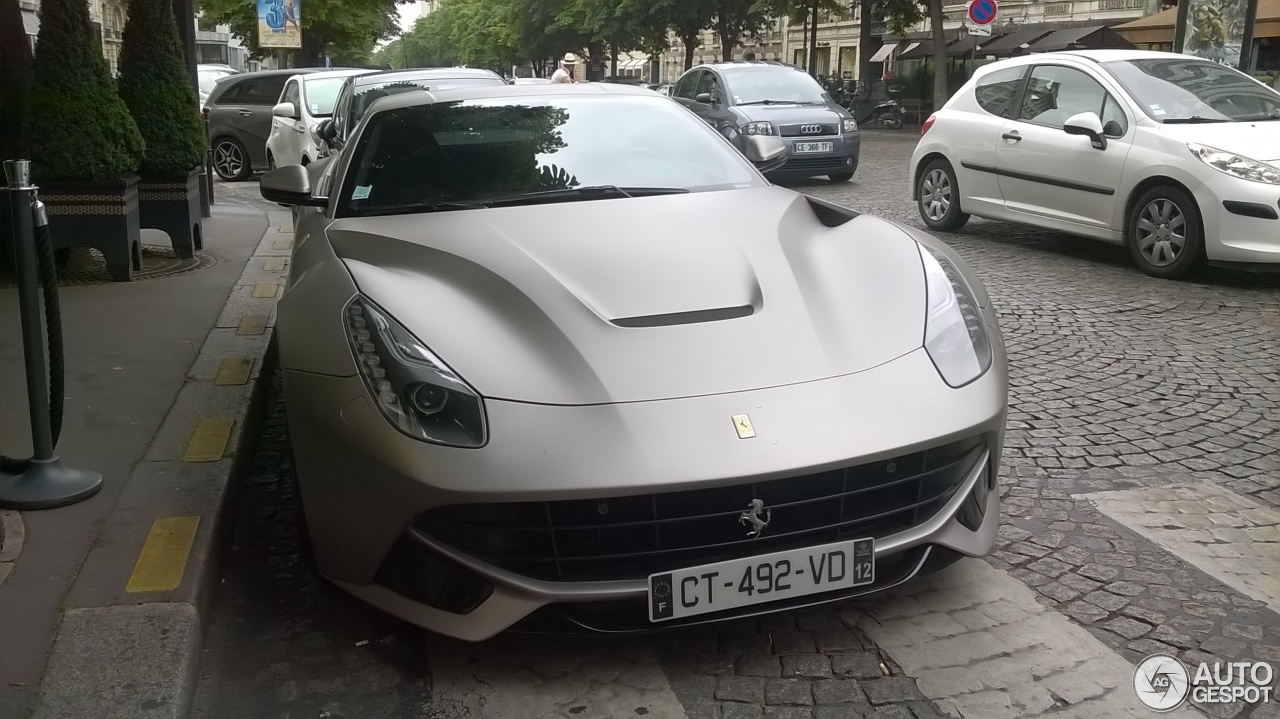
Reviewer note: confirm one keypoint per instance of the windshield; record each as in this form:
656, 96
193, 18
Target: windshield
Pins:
370, 93
209, 78
457, 155
1183, 89
774, 84
322, 93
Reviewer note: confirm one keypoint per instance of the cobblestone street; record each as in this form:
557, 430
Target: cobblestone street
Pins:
1141, 515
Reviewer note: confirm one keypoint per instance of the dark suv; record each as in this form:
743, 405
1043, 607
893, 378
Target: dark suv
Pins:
240, 119
747, 98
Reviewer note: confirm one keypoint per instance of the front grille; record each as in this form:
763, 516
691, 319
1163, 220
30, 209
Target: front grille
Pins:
816, 163
632, 537
794, 130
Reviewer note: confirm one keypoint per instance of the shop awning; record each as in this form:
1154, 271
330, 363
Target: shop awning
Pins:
30, 22
977, 44
918, 51
1158, 28
1096, 37
1012, 43
884, 52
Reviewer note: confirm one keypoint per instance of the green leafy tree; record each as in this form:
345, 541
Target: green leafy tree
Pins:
687, 19
735, 19
902, 14
15, 79
338, 28
155, 86
801, 11
77, 127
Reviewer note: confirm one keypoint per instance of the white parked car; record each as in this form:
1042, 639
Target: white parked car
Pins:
304, 102
1177, 157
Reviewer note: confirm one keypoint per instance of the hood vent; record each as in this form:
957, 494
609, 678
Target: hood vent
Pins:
686, 318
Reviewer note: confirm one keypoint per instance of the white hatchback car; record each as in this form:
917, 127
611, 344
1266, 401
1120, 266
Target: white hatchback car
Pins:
304, 102
1177, 157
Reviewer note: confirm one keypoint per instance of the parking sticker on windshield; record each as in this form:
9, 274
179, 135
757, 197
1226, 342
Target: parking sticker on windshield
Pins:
1158, 110
361, 192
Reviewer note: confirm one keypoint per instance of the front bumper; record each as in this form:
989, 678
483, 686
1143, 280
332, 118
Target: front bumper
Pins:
1241, 220
843, 158
364, 484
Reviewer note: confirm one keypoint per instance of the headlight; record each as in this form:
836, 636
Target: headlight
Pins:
953, 332
1235, 165
756, 128
849, 124
415, 390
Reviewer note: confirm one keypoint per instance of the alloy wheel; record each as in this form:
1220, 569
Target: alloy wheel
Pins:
1162, 232
935, 194
228, 160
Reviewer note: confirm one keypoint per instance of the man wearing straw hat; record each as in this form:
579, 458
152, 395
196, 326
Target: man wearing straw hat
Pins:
565, 72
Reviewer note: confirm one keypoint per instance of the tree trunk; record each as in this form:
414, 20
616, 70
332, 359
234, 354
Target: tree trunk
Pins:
865, 38
939, 55
690, 47
728, 41
613, 60
813, 41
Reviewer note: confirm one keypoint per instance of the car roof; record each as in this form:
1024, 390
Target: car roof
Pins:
246, 76
1098, 56
427, 73
559, 90
737, 65
336, 73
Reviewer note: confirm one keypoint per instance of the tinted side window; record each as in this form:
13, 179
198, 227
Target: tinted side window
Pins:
262, 91
685, 87
340, 110
996, 91
231, 95
292, 94
1055, 93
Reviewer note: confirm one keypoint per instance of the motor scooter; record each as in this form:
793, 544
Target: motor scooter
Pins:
883, 113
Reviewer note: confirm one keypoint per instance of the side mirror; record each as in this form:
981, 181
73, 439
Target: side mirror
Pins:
703, 97
1089, 125
285, 109
290, 185
767, 152
326, 131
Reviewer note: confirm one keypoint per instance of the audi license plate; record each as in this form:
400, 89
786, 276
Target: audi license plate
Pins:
814, 147
756, 580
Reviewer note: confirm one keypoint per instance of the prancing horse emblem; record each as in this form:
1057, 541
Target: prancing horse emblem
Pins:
757, 517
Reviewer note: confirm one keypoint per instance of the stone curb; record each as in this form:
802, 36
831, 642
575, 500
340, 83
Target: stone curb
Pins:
136, 655
12, 535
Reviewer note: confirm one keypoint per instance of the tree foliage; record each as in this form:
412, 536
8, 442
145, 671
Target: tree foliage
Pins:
337, 28
156, 88
76, 126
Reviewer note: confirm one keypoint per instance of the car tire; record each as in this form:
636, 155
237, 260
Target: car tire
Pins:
231, 160
840, 177
1165, 234
271, 161
938, 197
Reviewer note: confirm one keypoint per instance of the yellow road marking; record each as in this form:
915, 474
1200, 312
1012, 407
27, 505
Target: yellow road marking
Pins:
234, 370
252, 325
209, 442
164, 556
273, 264
282, 245
265, 290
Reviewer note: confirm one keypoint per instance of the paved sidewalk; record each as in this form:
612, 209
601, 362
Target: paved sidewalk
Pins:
130, 349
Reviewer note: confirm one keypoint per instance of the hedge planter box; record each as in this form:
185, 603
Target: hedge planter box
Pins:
102, 214
172, 205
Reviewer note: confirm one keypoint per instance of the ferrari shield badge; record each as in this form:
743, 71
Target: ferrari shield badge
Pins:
742, 423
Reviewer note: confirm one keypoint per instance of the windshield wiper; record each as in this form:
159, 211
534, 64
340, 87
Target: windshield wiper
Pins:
419, 207
593, 192
1193, 120
778, 102
1259, 118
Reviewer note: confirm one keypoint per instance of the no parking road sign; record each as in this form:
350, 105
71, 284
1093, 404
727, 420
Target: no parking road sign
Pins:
982, 12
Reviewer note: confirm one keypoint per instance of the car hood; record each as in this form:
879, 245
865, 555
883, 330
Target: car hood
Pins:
791, 114
1255, 140
648, 298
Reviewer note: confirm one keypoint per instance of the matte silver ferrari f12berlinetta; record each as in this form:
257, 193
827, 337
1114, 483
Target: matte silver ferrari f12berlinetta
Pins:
559, 357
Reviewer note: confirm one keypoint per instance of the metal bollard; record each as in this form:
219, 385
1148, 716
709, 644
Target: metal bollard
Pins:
208, 155
45, 482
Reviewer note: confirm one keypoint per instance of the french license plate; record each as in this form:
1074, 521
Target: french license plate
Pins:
814, 147
765, 578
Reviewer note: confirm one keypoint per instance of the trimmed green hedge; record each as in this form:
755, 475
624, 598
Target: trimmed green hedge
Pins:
76, 126
157, 89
